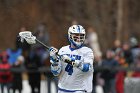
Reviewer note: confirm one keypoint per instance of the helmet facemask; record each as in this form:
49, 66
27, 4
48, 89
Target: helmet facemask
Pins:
76, 35
77, 38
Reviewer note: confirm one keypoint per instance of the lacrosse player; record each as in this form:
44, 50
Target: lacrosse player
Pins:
74, 77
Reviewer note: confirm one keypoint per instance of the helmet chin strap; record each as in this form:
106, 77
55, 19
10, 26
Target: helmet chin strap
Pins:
73, 45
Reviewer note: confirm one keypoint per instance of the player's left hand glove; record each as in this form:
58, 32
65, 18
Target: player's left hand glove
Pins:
75, 63
70, 60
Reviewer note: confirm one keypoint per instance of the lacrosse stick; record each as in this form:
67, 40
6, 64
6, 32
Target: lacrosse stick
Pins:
27, 35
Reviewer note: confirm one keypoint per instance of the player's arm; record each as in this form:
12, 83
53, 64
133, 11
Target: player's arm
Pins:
85, 65
55, 64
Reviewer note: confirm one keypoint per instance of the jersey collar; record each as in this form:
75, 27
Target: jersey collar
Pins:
72, 49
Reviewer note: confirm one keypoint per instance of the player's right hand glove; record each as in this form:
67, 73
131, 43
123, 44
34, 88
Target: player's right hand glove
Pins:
53, 54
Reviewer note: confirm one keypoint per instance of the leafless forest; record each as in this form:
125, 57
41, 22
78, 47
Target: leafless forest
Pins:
112, 19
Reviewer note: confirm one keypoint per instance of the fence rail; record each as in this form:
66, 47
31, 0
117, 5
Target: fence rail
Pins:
97, 68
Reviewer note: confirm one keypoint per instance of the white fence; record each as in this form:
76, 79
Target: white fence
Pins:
132, 85
27, 89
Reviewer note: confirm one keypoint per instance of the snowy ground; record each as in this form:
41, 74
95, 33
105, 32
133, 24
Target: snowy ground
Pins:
27, 89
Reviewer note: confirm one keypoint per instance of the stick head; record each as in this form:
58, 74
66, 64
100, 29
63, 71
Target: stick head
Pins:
27, 35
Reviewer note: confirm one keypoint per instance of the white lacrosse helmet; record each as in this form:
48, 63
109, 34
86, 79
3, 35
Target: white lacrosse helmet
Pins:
76, 35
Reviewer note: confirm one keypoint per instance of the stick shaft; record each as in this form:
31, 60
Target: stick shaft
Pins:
67, 61
42, 44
